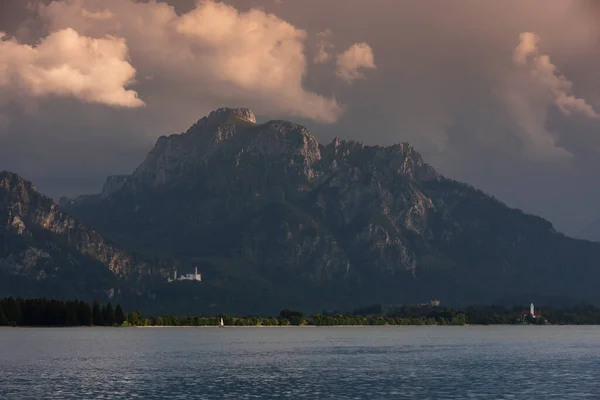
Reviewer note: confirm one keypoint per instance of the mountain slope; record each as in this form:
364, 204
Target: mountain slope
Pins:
330, 226
46, 252
591, 231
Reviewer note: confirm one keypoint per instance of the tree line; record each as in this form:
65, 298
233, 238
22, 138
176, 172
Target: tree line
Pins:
402, 315
49, 312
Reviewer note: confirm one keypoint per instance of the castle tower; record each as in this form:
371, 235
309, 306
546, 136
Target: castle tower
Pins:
532, 310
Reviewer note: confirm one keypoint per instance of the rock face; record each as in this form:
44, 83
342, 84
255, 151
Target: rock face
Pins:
266, 206
41, 243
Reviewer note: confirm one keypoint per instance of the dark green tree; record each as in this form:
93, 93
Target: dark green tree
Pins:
97, 316
109, 315
70, 314
293, 316
136, 319
119, 315
13, 311
3, 319
84, 313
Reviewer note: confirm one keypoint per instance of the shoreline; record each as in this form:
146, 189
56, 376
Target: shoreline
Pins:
337, 326
285, 326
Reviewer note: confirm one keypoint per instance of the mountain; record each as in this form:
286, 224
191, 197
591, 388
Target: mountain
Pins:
591, 231
46, 252
273, 219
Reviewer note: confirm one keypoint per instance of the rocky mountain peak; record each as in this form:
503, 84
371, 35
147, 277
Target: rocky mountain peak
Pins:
284, 137
13, 188
226, 115
10, 180
407, 161
265, 207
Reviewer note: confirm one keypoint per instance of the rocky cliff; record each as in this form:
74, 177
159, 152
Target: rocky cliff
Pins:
41, 245
267, 206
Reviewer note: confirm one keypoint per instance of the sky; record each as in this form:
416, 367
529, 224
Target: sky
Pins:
503, 95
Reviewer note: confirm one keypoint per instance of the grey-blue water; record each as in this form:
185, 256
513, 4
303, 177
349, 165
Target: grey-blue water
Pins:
315, 363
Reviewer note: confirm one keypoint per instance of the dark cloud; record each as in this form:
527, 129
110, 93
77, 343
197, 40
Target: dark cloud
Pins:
446, 81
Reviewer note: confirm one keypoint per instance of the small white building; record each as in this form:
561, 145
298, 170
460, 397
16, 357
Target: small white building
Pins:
187, 277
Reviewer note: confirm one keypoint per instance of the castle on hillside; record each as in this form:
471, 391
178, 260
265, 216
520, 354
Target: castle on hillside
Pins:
187, 277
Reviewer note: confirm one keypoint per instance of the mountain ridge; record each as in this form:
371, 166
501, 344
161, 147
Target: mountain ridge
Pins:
269, 213
42, 242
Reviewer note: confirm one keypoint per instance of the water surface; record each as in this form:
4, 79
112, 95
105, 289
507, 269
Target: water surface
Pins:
497, 362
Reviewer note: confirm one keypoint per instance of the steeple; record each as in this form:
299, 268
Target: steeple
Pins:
532, 310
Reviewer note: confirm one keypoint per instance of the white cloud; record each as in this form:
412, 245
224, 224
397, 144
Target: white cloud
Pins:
104, 14
69, 65
324, 45
527, 47
349, 63
541, 69
212, 55
532, 91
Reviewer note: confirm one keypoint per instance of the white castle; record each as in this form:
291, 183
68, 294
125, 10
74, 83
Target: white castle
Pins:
187, 277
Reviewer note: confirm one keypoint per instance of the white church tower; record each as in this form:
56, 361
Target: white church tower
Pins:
531, 310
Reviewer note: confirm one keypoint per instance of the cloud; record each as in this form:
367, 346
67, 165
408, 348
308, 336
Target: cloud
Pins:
436, 70
359, 55
530, 94
527, 55
527, 47
104, 14
69, 65
324, 45
213, 54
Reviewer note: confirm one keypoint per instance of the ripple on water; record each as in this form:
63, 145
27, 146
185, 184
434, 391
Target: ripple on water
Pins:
378, 363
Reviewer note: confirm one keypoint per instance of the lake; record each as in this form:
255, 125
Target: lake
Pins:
495, 362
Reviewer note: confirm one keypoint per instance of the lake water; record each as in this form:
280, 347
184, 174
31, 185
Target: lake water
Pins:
498, 362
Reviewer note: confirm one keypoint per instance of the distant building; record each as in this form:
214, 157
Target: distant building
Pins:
532, 316
525, 315
187, 277
432, 303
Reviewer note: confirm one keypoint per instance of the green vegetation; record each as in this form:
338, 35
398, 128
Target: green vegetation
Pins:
45, 312
376, 315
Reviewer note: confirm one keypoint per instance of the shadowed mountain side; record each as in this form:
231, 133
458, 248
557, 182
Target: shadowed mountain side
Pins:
277, 217
46, 252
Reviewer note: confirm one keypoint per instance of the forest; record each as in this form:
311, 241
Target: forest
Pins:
50, 312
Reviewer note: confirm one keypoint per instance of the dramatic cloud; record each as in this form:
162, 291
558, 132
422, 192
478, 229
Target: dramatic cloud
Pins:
527, 46
530, 95
453, 80
324, 46
349, 63
104, 14
212, 52
527, 55
67, 64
